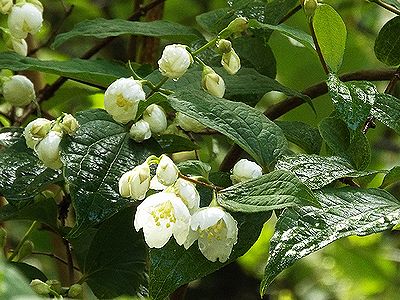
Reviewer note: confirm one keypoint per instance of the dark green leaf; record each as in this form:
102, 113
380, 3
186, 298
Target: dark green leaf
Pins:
9, 136
216, 20
95, 158
317, 171
156, 98
387, 110
116, 261
171, 143
30, 272
392, 177
194, 168
387, 44
102, 28
331, 34
247, 127
346, 211
302, 134
275, 190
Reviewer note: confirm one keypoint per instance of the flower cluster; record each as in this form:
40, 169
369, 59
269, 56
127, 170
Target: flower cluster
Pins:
23, 17
174, 210
44, 137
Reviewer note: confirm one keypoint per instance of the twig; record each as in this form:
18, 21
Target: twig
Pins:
387, 6
55, 257
22, 241
70, 261
207, 185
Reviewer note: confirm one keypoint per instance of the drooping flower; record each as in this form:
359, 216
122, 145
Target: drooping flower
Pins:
155, 116
213, 83
216, 232
19, 46
140, 131
122, 97
19, 90
24, 19
188, 124
231, 62
48, 150
174, 61
188, 193
245, 170
135, 183
161, 216
167, 172
35, 131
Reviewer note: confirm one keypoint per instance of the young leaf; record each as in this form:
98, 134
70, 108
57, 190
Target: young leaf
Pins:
346, 211
247, 127
331, 34
387, 110
387, 44
275, 190
95, 158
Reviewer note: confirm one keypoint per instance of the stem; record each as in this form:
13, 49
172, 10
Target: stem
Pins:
318, 48
158, 86
205, 46
70, 262
290, 14
38, 110
387, 6
52, 255
21, 242
207, 185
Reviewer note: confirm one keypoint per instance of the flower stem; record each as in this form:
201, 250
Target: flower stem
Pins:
21, 242
207, 185
205, 46
318, 48
158, 86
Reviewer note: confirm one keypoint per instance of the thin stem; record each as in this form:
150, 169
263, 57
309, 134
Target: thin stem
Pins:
38, 109
290, 14
70, 262
205, 46
387, 6
318, 48
52, 255
158, 86
207, 185
22, 241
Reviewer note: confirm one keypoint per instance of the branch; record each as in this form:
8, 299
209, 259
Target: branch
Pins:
290, 13
387, 6
55, 257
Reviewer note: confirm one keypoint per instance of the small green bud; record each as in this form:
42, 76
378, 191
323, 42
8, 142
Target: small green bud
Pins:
74, 291
55, 285
224, 46
309, 7
238, 25
40, 287
25, 250
3, 237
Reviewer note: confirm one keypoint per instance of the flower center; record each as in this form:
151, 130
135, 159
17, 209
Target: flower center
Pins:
122, 102
165, 214
217, 231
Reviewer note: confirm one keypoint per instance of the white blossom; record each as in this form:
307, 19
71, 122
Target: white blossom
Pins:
167, 172
231, 62
35, 131
175, 60
24, 19
188, 193
19, 46
135, 183
188, 124
216, 232
48, 150
140, 131
121, 99
245, 170
213, 83
19, 90
155, 116
162, 215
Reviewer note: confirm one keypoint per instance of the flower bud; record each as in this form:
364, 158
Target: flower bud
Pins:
55, 285
213, 83
48, 150
75, 290
309, 7
18, 90
238, 25
174, 61
245, 170
122, 97
19, 46
69, 124
25, 250
37, 3
40, 287
231, 62
155, 116
140, 131
188, 123
35, 131
135, 183
5, 6
3, 238
188, 193
167, 172
224, 46
24, 19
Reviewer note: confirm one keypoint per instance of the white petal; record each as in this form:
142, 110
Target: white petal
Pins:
206, 217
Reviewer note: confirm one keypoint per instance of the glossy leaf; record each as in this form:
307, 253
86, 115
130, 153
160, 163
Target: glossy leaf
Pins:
30, 272
387, 44
275, 190
194, 168
247, 127
387, 110
9, 136
102, 28
317, 171
94, 161
171, 143
216, 20
391, 177
346, 211
331, 34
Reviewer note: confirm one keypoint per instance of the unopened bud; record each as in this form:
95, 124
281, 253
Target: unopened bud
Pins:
19, 46
69, 124
140, 131
19, 90
155, 116
188, 123
5, 6
224, 46
245, 170
167, 172
24, 19
309, 7
48, 150
188, 193
238, 25
55, 285
135, 183
25, 250
74, 291
213, 83
174, 61
40, 287
35, 131
231, 62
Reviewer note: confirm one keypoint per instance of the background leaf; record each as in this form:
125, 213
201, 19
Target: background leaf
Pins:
387, 110
387, 43
391, 177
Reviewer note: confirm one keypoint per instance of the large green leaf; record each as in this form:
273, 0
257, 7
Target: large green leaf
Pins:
98, 72
95, 158
102, 28
247, 127
317, 171
387, 44
346, 211
173, 266
275, 190
387, 110
353, 100
116, 261
331, 35
9, 136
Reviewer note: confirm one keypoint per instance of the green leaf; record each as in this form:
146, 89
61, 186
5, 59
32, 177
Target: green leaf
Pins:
387, 44
116, 261
9, 136
171, 143
102, 28
216, 20
30, 272
387, 110
169, 265
302, 134
194, 168
317, 171
331, 35
392, 177
394, 3
247, 127
353, 100
94, 161
275, 190
97, 72
347, 211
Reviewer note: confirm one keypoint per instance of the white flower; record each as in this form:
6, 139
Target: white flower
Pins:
188, 123
213, 83
167, 172
155, 116
48, 150
5, 6
216, 232
162, 215
19, 46
69, 124
35, 131
18, 90
188, 193
24, 19
140, 131
231, 62
121, 99
175, 60
245, 170
135, 183
156, 185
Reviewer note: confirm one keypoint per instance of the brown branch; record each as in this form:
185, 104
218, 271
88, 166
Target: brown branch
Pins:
52, 255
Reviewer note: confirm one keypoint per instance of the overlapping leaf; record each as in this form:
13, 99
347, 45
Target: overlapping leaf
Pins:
387, 110
387, 43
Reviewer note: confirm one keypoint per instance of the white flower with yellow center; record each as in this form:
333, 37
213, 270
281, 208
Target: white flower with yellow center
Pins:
35, 131
161, 216
24, 19
174, 61
121, 99
167, 172
135, 183
216, 232
245, 170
